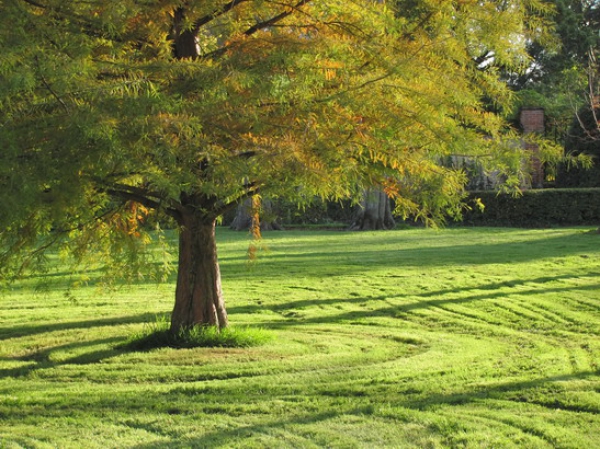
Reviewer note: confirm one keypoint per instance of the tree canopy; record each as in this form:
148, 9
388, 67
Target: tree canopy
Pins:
110, 110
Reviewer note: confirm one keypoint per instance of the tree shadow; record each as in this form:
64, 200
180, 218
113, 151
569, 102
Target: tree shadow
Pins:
479, 253
425, 300
42, 359
222, 438
491, 291
503, 390
367, 405
30, 330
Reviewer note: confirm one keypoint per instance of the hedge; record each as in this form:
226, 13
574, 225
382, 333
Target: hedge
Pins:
319, 212
535, 208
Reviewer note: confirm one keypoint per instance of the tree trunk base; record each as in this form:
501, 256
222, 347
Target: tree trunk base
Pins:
374, 212
198, 295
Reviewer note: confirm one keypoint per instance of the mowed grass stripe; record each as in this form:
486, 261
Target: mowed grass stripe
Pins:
411, 338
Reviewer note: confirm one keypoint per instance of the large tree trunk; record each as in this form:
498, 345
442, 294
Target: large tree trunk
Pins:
374, 212
198, 296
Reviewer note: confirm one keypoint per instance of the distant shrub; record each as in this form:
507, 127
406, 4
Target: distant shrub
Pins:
318, 212
535, 208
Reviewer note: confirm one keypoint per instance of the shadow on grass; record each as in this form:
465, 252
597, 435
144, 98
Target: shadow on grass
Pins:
528, 391
518, 392
42, 359
402, 310
26, 331
477, 253
157, 336
491, 291
274, 428
284, 256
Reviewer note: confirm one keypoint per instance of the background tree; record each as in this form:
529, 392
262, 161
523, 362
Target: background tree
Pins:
557, 77
583, 137
374, 212
255, 212
112, 110
575, 32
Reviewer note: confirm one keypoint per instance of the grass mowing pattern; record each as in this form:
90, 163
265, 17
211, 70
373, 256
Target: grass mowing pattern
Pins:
413, 338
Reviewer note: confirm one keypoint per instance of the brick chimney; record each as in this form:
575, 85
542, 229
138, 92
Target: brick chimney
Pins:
532, 121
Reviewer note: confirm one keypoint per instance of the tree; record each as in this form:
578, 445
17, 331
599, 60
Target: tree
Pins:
576, 31
374, 212
113, 111
583, 138
557, 77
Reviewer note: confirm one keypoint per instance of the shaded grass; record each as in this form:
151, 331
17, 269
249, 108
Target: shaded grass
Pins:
412, 338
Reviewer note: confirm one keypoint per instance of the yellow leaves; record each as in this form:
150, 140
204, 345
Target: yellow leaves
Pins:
256, 244
361, 126
255, 228
479, 204
128, 221
331, 69
391, 187
174, 129
135, 21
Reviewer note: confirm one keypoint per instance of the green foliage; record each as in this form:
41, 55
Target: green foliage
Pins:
560, 100
159, 335
584, 133
416, 338
316, 212
533, 208
576, 26
577, 176
197, 105
583, 139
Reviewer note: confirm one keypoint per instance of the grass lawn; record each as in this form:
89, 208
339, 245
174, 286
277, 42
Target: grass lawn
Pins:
405, 339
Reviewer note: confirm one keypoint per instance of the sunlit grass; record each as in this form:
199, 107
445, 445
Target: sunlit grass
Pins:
412, 338
158, 335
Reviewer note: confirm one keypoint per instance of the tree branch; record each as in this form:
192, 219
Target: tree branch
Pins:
251, 190
278, 18
87, 25
257, 27
210, 17
153, 200
36, 4
122, 194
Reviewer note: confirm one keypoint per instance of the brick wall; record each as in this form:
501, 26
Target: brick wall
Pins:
532, 121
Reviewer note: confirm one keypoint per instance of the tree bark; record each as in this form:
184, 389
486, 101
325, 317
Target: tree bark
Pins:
374, 212
198, 295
